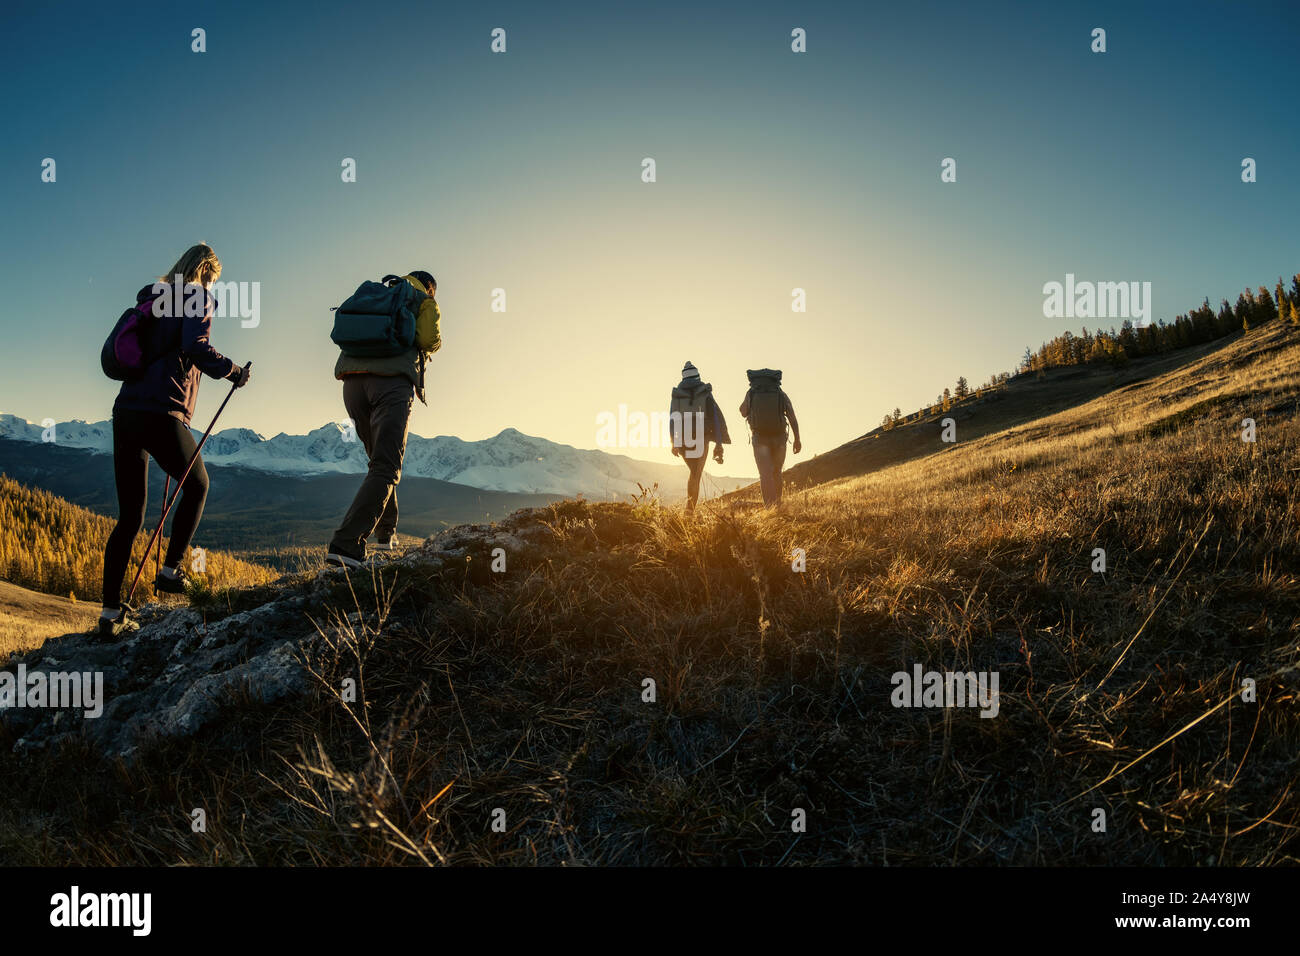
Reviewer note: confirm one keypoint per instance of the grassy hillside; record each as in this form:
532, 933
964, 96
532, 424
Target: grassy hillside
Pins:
27, 618
1024, 398
49, 545
1120, 691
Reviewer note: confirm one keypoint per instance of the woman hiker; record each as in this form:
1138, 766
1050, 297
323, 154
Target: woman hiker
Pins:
151, 419
694, 420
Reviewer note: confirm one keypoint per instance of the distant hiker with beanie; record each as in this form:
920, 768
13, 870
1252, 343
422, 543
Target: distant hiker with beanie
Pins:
171, 324
767, 408
386, 332
694, 420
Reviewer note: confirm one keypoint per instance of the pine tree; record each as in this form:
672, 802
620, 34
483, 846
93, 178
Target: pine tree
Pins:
963, 387
1265, 309
1118, 356
1128, 338
1227, 321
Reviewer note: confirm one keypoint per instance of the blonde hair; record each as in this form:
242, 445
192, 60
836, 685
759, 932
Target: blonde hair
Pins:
199, 265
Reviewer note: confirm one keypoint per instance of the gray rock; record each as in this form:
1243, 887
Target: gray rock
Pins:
172, 677
182, 671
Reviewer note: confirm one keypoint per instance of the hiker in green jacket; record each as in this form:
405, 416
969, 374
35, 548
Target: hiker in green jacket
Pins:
379, 394
694, 420
767, 408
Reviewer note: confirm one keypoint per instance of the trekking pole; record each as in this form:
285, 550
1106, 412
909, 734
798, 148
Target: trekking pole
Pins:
179, 482
157, 555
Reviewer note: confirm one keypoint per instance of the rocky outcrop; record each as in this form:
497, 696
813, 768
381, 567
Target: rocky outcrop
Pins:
180, 671
169, 678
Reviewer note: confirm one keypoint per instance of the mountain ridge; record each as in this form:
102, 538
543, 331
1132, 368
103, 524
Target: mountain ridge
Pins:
510, 461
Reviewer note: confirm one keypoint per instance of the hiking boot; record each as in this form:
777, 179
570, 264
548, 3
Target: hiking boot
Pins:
387, 544
344, 559
168, 585
114, 629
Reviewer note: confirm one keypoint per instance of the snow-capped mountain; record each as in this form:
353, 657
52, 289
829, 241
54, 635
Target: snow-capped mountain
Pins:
509, 461
74, 434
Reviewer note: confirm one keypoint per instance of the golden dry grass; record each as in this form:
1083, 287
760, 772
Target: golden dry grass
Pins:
27, 618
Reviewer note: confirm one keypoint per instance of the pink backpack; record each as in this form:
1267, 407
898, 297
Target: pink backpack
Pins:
123, 356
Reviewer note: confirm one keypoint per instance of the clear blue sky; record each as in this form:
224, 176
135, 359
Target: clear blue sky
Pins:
522, 171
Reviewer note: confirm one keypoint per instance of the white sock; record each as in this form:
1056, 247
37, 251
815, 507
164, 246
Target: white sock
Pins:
110, 614
169, 572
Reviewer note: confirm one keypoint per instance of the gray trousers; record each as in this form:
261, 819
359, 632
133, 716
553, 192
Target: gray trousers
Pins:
769, 455
380, 409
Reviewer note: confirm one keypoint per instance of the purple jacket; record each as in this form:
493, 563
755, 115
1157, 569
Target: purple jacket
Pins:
170, 384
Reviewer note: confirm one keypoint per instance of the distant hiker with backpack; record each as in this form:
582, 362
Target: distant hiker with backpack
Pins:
385, 333
694, 420
767, 408
160, 350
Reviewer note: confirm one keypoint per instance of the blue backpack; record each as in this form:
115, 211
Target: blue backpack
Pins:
378, 320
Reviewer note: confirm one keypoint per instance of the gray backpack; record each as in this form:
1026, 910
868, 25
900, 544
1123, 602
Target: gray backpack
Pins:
687, 403
766, 403
378, 320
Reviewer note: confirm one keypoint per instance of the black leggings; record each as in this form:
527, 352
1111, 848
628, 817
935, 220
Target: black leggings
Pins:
137, 436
